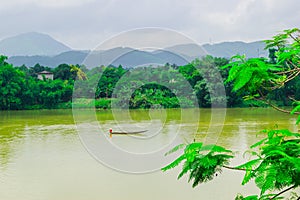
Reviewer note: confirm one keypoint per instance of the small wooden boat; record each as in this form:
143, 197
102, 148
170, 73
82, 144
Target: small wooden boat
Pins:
130, 132
111, 132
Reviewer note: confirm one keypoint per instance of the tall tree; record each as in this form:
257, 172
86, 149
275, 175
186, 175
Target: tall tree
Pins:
12, 83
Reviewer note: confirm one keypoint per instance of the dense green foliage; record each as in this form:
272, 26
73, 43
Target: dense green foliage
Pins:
202, 162
274, 81
276, 166
168, 86
20, 90
12, 83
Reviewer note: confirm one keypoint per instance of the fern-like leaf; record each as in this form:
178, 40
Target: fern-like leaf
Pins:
250, 164
270, 180
176, 148
215, 148
185, 169
259, 143
174, 163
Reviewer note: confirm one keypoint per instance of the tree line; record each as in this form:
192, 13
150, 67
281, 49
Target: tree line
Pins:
168, 86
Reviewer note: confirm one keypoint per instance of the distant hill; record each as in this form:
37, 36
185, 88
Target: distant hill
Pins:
70, 57
32, 48
135, 58
126, 57
228, 49
188, 51
30, 44
172, 57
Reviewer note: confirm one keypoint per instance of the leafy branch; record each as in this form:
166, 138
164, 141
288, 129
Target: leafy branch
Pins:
277, 163
202, 162
259, 78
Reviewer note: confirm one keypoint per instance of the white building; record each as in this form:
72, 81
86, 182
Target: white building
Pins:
46, 74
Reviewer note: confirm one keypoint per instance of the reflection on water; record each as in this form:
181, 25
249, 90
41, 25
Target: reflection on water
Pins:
16, 127
41, 156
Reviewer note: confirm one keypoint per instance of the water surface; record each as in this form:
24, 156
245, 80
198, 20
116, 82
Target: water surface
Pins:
42, 157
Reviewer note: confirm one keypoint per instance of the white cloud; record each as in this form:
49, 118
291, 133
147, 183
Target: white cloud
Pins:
61, 3
44, 3
86, 23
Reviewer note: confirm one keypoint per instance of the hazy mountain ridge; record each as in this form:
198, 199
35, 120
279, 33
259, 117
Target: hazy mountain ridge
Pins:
228, 49
50, 52
69, 57
31, 44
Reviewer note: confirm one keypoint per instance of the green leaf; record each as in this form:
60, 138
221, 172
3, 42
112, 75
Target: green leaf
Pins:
195, 146
174, 163
185, 169
215, 148
250, 164
269, 196
270, 180
252, 197
297, 108
243, 78
176, 148
247, 177
259, 143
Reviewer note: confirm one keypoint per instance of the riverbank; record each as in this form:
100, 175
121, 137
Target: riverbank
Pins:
106, 104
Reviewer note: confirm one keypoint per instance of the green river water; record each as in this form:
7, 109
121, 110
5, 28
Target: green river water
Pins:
43, 158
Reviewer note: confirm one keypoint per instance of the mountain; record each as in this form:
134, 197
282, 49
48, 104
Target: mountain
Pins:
126, 57
228, 49
135, 58
188, 51
29, 44
70, 57
172, 57
33, 48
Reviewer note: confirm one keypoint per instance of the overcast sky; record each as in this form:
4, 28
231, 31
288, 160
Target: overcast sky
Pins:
83, 24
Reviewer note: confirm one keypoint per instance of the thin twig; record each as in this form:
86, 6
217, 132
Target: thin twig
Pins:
294, 38
286, 72
280, 109
292, 99
272, 105
280, 193
296, 67
233, 168
292, 76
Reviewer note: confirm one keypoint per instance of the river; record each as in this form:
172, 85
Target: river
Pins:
44, 156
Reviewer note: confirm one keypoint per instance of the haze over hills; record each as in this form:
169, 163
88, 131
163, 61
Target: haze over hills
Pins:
30, 44
69, 57
32, 48
228, 49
